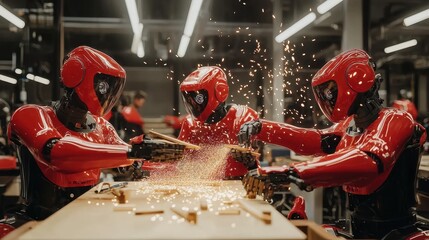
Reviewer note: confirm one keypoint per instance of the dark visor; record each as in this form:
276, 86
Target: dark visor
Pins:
327, 96
195, 101
108, 89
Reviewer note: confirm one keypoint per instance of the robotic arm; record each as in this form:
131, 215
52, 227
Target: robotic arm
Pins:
72, 154
351, 166
301, 140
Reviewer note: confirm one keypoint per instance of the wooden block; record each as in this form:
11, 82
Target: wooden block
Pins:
190, 216
203, 205
264, 216
148, 212
242, 149
120, 196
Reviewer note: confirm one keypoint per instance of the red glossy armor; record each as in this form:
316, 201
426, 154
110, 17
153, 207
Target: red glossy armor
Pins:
79, 70
350, 165
222, 132
76, 158
406, 105
353, 74
211, 79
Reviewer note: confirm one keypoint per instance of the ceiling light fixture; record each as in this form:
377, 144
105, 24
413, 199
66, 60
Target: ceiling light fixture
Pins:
327, 5
8, 79
18, 71
418, 17
37, 79
133, 14
137, 26
183, 46
137, 45
191, 20
401, 46
305, 21
11, 17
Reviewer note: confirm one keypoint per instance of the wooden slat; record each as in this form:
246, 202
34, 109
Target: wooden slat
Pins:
242, 149
174, 140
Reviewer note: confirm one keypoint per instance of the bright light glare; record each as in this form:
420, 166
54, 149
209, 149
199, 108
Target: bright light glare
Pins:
41, 80
132, 13
11, 17
305, 21
418, 17
184, 42
140, 50
137, 39
18, 71
327, 5
401, 46
191, 20
37, 79
7, 79
30, 76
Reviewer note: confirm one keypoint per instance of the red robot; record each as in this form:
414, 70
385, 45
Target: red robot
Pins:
371, 151
61, 148
211, 120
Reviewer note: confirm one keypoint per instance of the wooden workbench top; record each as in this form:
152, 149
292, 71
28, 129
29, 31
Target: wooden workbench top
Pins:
97, 216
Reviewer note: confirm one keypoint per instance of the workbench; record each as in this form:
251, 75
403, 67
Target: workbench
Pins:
100, 216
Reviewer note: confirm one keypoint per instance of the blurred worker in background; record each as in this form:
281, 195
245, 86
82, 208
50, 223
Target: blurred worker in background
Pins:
404, 103
134, 124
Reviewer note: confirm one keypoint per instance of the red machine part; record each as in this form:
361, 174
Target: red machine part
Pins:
222, 132
76, 158
406, 105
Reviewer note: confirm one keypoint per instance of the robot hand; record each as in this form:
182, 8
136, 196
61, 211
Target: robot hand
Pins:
268, 180
247, 130
134, 171
247, 158
155, 150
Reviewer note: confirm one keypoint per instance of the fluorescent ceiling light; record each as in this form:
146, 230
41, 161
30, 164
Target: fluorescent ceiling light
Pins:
322, 18
8, 79
305, 21
11, 17
400, 46
137, 26
30, 76
183, 46
140, 50
137, 39
327, 5
18, 71
418, 17
41, 80
132, 13
37, 79
191, 20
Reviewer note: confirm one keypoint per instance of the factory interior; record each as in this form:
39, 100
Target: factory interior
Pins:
214, 119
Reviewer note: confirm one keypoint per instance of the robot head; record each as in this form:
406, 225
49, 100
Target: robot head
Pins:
96, 78
339, 83
203, 91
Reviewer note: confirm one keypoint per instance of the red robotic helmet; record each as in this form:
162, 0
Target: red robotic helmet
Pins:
203, 91
95, 77
339, 82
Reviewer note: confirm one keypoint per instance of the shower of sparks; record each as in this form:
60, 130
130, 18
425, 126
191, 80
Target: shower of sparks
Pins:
297, 69
207, 164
